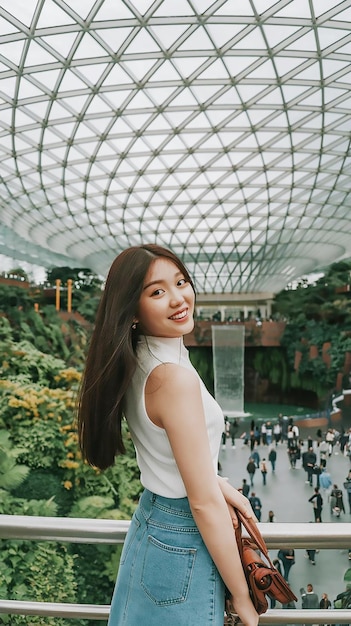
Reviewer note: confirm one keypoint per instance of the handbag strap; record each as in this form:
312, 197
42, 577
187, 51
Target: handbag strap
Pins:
254, 534
238, 538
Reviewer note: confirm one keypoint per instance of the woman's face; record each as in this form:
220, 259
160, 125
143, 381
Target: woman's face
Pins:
166, 304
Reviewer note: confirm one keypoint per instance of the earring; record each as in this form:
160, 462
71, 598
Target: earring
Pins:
134, 326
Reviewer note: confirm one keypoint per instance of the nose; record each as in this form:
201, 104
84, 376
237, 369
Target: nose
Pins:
176, 298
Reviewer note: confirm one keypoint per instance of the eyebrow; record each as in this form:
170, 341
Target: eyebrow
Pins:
160, 281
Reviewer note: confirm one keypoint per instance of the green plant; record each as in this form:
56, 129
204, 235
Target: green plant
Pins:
22, 358
201, 358
5, 330
40, 572
321, 301
44, 484
12, 474
11, 505
272, 365
14, 300
37, 415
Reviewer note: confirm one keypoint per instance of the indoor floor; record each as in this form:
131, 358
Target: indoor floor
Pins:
287, 494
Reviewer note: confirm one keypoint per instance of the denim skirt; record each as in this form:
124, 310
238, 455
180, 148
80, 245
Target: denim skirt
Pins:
166, 576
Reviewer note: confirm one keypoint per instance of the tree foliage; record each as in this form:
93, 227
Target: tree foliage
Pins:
318, 316
86, 289
327, 300
44, 571
41, 469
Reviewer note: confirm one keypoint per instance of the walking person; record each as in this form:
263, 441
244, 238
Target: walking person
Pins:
343, 439
325, 481
251, 469
225, 433
256, 458
323, 453
252, 440
272, 458
277, 433
245, 488
256, 505
269, 433
285, 425
233, 429
317, 502
293, 451
257, 434
290, 433
336, 501
330, 439
311, 556
287, 557
309, 459
138, 369
317, 471
295, 430
263, 468
319, 437
264, 434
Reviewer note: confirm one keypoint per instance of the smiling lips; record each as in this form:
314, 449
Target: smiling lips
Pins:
179, 316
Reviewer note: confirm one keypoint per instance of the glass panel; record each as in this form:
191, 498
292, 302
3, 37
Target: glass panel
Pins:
198, 132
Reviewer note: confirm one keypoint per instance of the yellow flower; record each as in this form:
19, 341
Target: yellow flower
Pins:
66, 427
67, 484
69, 464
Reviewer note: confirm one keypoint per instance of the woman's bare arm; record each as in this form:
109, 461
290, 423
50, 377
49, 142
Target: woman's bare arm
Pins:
235, 500
173, 402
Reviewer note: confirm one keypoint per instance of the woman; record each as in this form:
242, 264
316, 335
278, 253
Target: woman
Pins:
174, 563
263, 468
336, 501
325, 603
317, 502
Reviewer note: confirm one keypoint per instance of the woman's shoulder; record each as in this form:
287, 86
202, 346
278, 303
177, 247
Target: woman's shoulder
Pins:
174, 376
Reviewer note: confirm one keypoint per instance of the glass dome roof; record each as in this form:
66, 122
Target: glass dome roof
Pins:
220, 129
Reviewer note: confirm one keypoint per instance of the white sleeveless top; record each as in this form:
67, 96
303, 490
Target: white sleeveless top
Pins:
158, 468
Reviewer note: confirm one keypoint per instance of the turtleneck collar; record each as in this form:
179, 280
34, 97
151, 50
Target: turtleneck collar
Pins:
174, 345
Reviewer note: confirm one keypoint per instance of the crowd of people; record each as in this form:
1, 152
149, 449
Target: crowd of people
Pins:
262, 440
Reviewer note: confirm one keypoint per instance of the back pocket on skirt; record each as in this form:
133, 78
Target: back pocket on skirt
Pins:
166, 572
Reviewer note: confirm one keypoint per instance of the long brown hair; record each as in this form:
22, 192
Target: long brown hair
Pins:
111, 359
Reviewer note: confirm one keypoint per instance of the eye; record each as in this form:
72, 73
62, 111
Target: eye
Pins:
181, 282
157, 292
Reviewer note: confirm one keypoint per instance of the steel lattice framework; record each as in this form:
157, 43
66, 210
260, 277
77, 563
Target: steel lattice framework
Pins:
218, 128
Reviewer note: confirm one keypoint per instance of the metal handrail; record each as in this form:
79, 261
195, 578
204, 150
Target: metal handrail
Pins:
83, 530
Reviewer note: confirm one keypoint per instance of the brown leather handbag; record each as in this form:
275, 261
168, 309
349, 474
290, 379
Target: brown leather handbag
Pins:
262, 577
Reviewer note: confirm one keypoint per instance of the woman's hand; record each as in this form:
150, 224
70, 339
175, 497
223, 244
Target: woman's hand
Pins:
245, 610
235, 500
